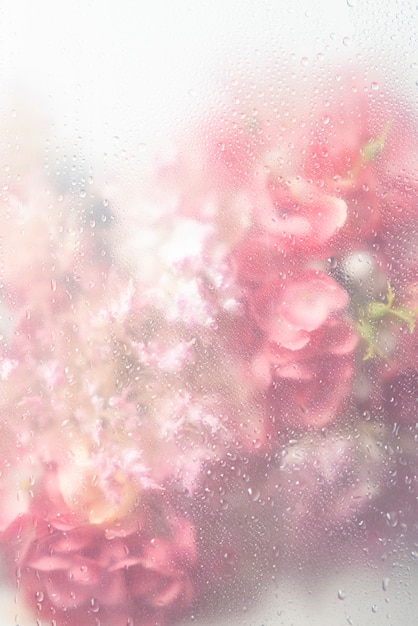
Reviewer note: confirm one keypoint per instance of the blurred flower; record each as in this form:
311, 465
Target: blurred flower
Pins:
310, 386
289, 311
73, 571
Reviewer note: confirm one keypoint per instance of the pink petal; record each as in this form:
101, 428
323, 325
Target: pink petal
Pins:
49, 563
309, 301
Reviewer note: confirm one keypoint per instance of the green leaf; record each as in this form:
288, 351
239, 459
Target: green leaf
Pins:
372, 149
370, 320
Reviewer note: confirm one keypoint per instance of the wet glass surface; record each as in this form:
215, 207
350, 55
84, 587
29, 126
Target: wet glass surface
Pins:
208, 283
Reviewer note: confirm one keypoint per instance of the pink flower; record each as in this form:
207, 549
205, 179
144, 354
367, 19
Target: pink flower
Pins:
74, 572
289, 310
310, 300
306, 356
298, 214
308, 387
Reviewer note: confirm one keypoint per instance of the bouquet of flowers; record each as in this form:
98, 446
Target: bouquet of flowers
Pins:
240, 333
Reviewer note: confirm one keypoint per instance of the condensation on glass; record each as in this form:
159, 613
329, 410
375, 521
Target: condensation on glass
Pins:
208, 283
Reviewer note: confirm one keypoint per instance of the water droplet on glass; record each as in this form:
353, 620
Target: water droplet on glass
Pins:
346, 41
94, 605
392, 518
374, 86
341, 594
229, 558
385, 583
352, 3
304, 61
53, 284
325, 120
254, 494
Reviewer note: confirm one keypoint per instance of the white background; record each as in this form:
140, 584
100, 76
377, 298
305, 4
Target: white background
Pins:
120, 72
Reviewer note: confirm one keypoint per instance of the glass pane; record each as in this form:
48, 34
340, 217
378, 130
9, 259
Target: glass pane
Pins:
208, 303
